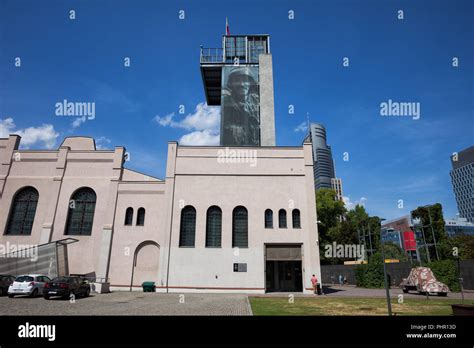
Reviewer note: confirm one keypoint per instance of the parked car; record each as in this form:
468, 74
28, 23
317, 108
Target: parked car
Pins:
423, 280
5, 282
65, 286
28, 284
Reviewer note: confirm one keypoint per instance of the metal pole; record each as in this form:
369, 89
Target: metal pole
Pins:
460, 280
424, 240
387, 291
365, 243
432, 233
370, 238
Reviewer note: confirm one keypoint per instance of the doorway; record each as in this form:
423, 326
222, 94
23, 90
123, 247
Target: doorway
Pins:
283, 268
284, 276
145, 264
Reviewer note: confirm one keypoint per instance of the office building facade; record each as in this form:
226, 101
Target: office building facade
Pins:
336, 185
323, 162
462, 178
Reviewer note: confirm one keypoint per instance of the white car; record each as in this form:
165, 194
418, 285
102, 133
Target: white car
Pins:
28, 284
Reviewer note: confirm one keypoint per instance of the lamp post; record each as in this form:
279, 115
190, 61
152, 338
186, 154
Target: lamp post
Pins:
387, 291
415, 224
460, 279
370, 238
432, 230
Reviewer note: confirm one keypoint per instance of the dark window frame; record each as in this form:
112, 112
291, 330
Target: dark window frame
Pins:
240, 219
214, 227
187, 238
282, 220
296, 216
22, 212
84, 210
128, 217
268, 218
141, 216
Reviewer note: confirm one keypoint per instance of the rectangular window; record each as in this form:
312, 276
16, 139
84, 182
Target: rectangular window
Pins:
235, 48
255, 49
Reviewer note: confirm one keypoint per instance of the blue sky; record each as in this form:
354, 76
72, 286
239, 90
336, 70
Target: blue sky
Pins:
390, 158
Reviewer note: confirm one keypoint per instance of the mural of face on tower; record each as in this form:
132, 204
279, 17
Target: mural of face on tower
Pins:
240, 107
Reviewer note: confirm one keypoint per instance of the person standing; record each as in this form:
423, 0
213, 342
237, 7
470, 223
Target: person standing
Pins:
314, 282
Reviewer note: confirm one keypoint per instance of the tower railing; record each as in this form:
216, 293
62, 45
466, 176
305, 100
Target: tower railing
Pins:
212, 55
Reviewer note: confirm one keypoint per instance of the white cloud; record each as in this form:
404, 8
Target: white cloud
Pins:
166, 120
302, 127
6, 127
78, 121
351, 205
200, 138
204, 123
101, 143
43, 136
204, 118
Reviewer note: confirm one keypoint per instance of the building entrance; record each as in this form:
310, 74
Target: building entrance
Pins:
284, 272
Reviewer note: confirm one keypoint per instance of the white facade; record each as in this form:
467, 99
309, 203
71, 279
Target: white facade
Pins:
276, 178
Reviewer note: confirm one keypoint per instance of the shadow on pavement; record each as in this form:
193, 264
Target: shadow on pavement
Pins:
330, 290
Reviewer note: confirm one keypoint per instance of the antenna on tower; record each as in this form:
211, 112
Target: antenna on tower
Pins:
307, 120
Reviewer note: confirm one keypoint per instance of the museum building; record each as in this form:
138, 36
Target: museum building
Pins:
239, 217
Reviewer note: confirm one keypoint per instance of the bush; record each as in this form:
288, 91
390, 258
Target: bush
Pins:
371, 274
446, 271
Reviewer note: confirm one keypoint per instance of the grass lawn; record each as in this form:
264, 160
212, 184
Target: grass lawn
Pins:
349, 306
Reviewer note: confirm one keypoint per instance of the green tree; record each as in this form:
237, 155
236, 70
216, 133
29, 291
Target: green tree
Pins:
357, 217
393, 251
371, 274
461, 246
446, 272
432, 224
329, 212
343, 233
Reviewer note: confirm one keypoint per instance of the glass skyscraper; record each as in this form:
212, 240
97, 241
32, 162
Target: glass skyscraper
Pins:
462, 177
322, 157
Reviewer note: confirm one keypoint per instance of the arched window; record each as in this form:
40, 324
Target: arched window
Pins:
187, 230
213, 227
22, 213
81, 212
268, 218
296, 218
282, 218
129, 216
141, 217
240, 227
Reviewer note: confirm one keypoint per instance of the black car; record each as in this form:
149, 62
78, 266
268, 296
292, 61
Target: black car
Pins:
5, 282
66, 286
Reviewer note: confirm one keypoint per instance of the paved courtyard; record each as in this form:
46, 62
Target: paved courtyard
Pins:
130, 303
140, 303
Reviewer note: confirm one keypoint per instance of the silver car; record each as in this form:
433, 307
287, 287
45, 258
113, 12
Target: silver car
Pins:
28, 284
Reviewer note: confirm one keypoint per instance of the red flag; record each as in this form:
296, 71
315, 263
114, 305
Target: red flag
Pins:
227, 31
